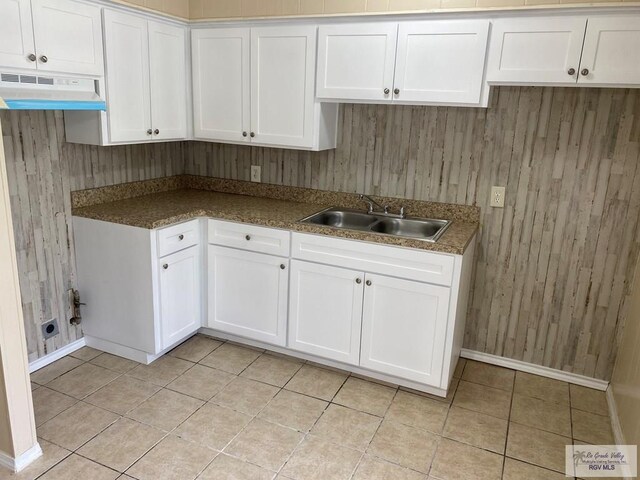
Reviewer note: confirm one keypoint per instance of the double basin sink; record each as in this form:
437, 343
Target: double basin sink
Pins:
425, 229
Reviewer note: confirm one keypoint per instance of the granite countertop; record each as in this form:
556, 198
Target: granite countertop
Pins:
163, 208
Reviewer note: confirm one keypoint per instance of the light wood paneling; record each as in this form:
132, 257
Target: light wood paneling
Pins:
42, 171
554, 266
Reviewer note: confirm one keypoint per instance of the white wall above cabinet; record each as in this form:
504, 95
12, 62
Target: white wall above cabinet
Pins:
590, 51
58, 36
426, 62
256, 86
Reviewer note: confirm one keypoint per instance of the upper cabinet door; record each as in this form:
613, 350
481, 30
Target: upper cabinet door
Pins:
356, 61
128, 97
221, 93
536, 50
16, 34
611, 53
168, 77
440, 61
68, 36
282, 79
404, 325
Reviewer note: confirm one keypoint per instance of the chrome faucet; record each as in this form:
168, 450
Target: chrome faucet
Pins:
384, 208
371, 202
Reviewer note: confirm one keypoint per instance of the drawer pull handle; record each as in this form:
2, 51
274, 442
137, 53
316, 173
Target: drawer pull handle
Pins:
180, 237
368, 283
585, 72
282, 266
358, 281
165, 266
44, 59
248, 237
571, 71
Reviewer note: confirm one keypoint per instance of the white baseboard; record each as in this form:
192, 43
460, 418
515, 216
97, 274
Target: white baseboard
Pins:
618, 434
21, 462
535, 369
57, 355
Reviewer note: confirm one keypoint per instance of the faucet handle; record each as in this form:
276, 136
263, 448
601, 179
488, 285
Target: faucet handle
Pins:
386, 209
402, 212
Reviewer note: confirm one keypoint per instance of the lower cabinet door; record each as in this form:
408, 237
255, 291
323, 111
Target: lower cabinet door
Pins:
180, 310
404, 325
325, 311
248, 294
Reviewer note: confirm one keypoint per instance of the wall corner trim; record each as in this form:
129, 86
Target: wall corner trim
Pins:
618, 434
56, 355
20, 463
535, 369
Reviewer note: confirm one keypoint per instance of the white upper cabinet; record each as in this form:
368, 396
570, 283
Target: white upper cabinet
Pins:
221, 63
611, 53
128, 94
282, 81
440, 61
68, 36
17, 48
257, 86
58, 36
356, 61
146, 79
536, 50
168, 81
428, 62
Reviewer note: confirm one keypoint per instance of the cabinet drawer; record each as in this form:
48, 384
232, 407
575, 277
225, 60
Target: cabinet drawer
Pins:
249, 237
178, 237
406, 263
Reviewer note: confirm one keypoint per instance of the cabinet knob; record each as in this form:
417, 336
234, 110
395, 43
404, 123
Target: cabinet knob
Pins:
252, 134
282, 266
44, 59
149, 132
165, 266
244, 134
32, 57
571, 71
180, 237
396, 91
248, 237
368, 282
386, 91
358, 281
585, 72
156, 131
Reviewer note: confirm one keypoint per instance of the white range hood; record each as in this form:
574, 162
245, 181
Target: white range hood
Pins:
26, 91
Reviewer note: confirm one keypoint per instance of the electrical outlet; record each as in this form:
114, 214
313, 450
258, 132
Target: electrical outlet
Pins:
50, 329
497, 197
256, 173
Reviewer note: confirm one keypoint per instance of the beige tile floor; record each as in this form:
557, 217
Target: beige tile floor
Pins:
214, 410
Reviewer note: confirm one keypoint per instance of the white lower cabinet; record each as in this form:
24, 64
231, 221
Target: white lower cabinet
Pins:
180, 312
326, 311
393, 313
142, 288
247, 294
404, 324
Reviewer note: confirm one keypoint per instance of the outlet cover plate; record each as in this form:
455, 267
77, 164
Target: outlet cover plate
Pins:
50, 329
497, 197
256, 173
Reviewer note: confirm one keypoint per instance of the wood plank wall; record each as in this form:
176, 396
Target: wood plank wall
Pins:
554, 267
42, 171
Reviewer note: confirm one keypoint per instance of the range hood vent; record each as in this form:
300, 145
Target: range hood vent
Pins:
26, 91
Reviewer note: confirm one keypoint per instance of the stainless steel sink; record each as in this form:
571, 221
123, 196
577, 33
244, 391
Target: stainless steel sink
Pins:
425, 229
